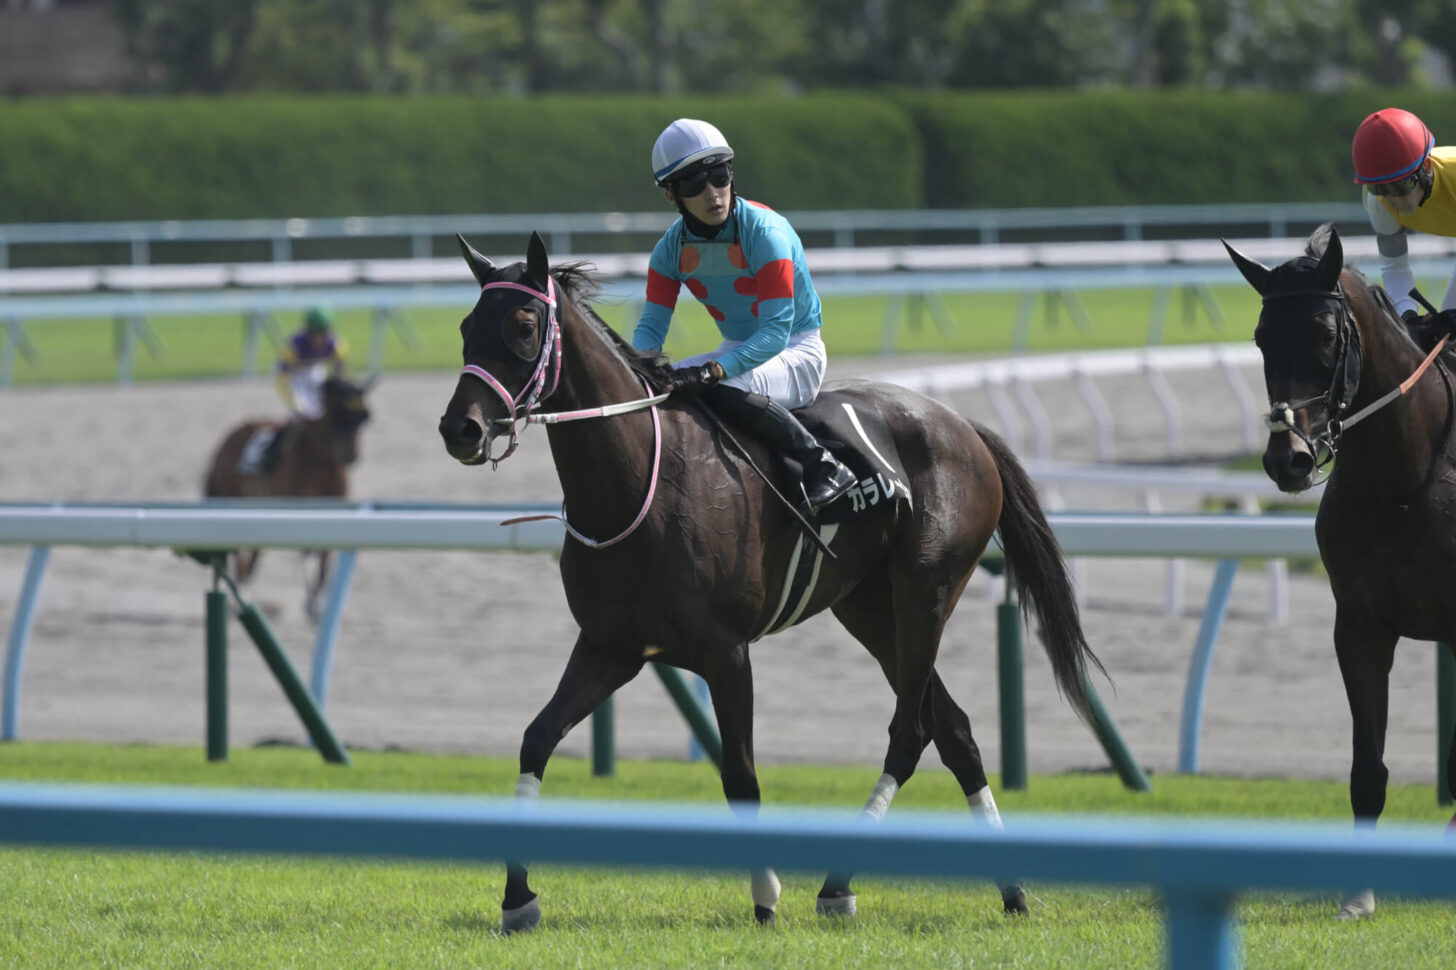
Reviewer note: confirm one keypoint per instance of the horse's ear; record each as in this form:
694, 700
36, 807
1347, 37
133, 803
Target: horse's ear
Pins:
1254, 271
538, 267
1332, 261
481, 268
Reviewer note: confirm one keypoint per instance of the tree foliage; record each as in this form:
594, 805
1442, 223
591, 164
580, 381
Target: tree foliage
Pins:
756, 46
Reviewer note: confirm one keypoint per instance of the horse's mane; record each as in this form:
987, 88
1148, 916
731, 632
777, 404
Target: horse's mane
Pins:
579, 282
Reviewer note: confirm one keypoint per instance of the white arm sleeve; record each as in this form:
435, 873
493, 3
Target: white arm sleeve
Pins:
1395, 268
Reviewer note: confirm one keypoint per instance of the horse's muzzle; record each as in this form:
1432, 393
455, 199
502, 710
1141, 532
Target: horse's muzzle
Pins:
464, 438
1288, 462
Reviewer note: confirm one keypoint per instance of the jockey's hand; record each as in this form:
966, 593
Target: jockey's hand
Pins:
1445, 322
696, 378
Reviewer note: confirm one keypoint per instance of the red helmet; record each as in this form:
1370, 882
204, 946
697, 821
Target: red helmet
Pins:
1390, 144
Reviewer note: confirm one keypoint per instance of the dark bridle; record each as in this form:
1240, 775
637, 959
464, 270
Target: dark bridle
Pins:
1344, 379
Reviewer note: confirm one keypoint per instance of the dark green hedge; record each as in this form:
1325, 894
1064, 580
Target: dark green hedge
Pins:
109, 159
97, 160
1135, 148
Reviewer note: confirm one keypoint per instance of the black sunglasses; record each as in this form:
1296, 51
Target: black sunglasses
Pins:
717, 175
1400, 186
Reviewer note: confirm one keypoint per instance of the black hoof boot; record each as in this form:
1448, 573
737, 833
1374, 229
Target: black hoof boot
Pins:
764, 915
1013, 901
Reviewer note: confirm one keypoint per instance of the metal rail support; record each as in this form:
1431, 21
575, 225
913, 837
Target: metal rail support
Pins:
604, 739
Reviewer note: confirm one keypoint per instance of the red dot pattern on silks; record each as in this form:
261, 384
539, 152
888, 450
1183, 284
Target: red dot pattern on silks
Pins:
736, 257
716, 313
697, 288
689, 259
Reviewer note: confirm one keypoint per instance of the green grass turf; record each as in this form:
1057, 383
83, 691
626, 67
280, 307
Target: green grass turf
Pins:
113, 909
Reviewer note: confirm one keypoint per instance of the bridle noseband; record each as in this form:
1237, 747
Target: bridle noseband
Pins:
1344, 381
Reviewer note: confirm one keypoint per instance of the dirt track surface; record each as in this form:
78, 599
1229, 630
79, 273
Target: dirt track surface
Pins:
457, 651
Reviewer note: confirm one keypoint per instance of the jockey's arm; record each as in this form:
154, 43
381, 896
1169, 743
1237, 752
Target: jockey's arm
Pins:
1396, 274
340, 361
285, 389
663, 286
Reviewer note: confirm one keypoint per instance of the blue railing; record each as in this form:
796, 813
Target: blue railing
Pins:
1199, 868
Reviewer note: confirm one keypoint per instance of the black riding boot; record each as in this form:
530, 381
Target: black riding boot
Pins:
825, 479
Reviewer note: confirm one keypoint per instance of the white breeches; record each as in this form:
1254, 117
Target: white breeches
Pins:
791, 378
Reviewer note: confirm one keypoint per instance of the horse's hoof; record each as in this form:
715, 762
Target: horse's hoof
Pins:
835, 905
1014, 902
1357, 905
522, 919
764, 915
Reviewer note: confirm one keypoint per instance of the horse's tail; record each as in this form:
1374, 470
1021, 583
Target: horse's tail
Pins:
1034, 563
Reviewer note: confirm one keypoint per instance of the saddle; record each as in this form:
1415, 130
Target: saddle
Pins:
260, 454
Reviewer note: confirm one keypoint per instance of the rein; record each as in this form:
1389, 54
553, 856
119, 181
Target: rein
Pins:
522, 405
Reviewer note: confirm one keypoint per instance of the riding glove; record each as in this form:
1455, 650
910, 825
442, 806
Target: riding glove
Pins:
696, 378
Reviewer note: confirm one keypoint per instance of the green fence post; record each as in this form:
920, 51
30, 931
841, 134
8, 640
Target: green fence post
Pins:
604, 740
1127, 767
216, 667
288, 679
1445, 718
1010, 675
699, 721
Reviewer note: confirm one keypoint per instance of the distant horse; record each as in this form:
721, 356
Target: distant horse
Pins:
305, 458
680, 550
1344, 376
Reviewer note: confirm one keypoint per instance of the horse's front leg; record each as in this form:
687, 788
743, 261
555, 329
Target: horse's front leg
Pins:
591, 675
731, 686
1366, 651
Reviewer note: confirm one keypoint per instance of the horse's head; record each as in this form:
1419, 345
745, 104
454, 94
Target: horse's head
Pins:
1311, 352
509, 337
345, 412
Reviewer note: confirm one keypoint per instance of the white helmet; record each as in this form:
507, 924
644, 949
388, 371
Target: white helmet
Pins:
686, 142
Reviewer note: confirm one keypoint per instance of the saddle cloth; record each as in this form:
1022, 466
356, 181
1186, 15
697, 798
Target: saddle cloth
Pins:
858, 435
258, 454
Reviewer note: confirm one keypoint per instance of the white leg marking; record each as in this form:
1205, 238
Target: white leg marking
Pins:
765, 888
528, 786
983, 808
880, 798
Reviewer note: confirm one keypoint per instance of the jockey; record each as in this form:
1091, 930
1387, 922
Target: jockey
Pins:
312, 355
745, 264
1407, 183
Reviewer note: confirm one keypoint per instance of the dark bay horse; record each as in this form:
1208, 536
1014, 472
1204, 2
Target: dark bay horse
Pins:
308, 458
702, 569
1335, 360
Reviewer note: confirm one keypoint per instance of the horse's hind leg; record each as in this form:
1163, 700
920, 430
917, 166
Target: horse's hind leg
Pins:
245, 562
591, 675
314, 586
903, 637
951, 729
731, 684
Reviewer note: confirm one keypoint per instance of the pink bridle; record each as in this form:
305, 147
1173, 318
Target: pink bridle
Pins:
531, 393
531, 396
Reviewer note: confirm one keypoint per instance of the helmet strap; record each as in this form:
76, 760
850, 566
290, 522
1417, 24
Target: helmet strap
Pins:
1427, 181
699, 228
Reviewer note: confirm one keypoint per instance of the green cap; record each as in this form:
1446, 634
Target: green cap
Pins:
318, 319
